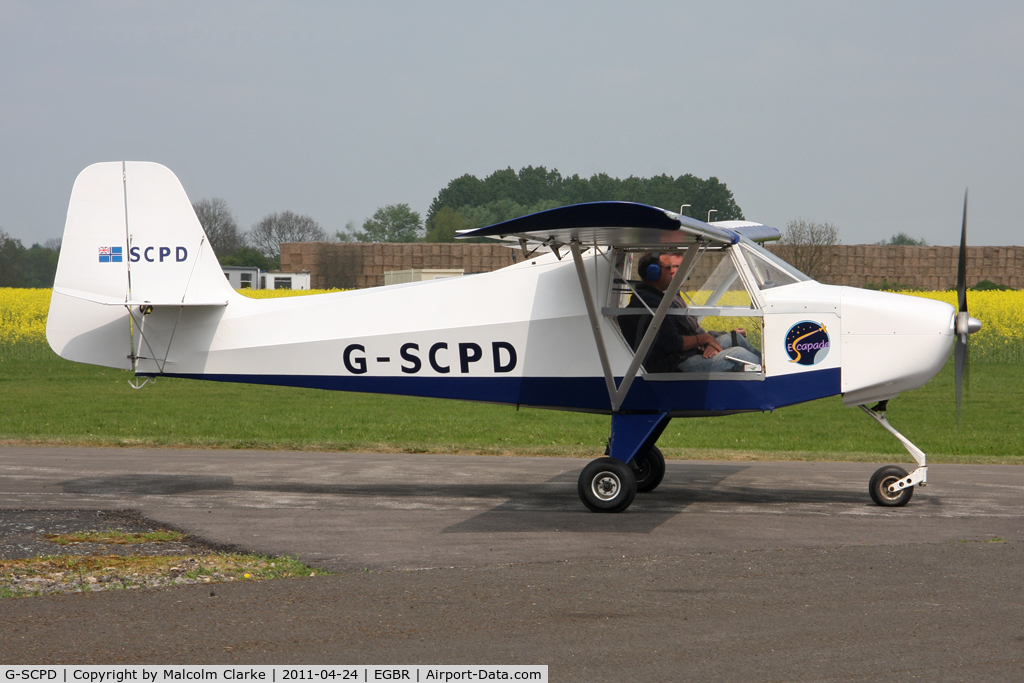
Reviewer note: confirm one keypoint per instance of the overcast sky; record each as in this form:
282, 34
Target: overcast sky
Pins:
874, 116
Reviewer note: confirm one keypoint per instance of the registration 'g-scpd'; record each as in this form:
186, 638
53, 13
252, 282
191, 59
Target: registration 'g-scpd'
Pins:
157, 254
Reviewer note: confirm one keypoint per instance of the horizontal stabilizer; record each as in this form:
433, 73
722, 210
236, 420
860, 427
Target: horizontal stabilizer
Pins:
111, 301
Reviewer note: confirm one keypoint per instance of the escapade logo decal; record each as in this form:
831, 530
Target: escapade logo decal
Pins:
807, 343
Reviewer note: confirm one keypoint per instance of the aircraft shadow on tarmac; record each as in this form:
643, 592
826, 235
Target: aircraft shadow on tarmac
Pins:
685, 484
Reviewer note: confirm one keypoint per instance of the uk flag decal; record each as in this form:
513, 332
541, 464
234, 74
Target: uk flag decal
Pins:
110, 254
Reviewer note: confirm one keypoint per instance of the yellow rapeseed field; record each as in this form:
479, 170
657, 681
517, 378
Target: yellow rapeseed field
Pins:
1001, 340
1002, 323
23, 315
277, 293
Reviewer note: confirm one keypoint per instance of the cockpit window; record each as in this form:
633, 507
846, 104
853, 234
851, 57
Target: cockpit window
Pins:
769, 270
723, 287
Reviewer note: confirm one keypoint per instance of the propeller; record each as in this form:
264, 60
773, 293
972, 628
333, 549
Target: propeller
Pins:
965, 324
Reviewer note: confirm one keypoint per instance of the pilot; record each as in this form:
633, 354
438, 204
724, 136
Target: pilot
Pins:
681, 343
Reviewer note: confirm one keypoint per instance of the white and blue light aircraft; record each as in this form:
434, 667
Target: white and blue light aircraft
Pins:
139, 287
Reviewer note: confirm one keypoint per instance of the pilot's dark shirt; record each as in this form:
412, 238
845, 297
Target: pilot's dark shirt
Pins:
666, 353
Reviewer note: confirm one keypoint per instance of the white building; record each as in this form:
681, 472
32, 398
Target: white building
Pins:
242, 277
277, 279
251, 277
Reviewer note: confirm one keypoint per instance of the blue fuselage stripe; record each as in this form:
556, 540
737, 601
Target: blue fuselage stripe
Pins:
578, 393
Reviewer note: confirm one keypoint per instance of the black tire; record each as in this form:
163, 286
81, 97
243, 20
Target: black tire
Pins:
882, 479
607, 485
650, 470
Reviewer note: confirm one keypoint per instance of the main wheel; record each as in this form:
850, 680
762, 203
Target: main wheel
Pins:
882, 479
607, 485
650, 470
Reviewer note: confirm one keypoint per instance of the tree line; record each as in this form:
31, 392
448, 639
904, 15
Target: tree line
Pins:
467, 202
33, 266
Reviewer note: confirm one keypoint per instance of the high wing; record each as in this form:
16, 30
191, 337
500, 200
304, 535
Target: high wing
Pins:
621, 224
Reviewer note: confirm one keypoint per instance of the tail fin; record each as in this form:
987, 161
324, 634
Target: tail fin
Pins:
131, 239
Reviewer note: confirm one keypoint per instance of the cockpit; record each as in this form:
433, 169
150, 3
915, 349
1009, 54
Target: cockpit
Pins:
718, 293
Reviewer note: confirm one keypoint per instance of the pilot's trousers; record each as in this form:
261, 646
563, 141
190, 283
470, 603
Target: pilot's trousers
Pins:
743, 351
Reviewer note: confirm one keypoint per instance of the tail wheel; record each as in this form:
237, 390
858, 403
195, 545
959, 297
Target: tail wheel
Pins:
607, 485
650, 470
882, 479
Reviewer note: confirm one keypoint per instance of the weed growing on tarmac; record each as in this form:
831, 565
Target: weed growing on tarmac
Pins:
78, 574
115, 537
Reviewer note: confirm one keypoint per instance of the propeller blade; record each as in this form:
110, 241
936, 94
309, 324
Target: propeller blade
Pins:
961, 270
960, 352
967, 371
959, 360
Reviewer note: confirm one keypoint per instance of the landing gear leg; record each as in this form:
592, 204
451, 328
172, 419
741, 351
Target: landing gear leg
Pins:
891, 486
610, 484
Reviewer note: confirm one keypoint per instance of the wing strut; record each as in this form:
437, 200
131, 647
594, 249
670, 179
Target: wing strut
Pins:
618, 394
595, 323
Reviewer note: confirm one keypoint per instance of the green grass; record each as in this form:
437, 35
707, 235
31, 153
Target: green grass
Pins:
46, 400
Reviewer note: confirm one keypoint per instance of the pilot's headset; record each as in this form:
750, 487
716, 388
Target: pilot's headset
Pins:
650, 267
